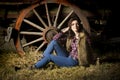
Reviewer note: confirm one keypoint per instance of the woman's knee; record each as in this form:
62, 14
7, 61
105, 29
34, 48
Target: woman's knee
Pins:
54, 42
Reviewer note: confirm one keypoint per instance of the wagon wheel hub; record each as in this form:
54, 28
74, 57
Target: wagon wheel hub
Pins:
48, 33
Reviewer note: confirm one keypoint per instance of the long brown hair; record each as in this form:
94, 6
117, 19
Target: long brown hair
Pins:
70, 32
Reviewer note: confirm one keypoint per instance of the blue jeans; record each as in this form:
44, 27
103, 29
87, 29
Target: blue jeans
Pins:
61, 58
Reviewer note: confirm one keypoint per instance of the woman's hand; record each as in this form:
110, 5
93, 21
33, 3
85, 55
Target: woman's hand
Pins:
65, 29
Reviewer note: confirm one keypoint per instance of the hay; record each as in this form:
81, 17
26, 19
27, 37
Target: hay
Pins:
13, 67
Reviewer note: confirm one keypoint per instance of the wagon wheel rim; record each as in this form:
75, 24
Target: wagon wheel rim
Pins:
45, 29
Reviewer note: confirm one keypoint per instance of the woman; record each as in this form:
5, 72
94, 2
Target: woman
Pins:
75, 52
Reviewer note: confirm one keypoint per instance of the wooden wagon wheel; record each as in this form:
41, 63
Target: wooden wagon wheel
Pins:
37, 24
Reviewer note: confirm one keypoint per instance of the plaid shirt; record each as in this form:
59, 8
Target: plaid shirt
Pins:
73, 51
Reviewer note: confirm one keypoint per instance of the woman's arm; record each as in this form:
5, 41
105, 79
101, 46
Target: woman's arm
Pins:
65, 29
57, 36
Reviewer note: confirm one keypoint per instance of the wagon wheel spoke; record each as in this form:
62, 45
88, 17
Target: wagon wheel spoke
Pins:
39, 17
34, 41
59, 26
48, 16
57, 14
33, 24
40, 46
31, 33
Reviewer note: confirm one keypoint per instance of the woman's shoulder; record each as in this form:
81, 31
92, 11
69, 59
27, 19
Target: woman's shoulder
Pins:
82, 34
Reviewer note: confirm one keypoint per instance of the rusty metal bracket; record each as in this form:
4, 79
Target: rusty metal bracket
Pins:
9, 34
